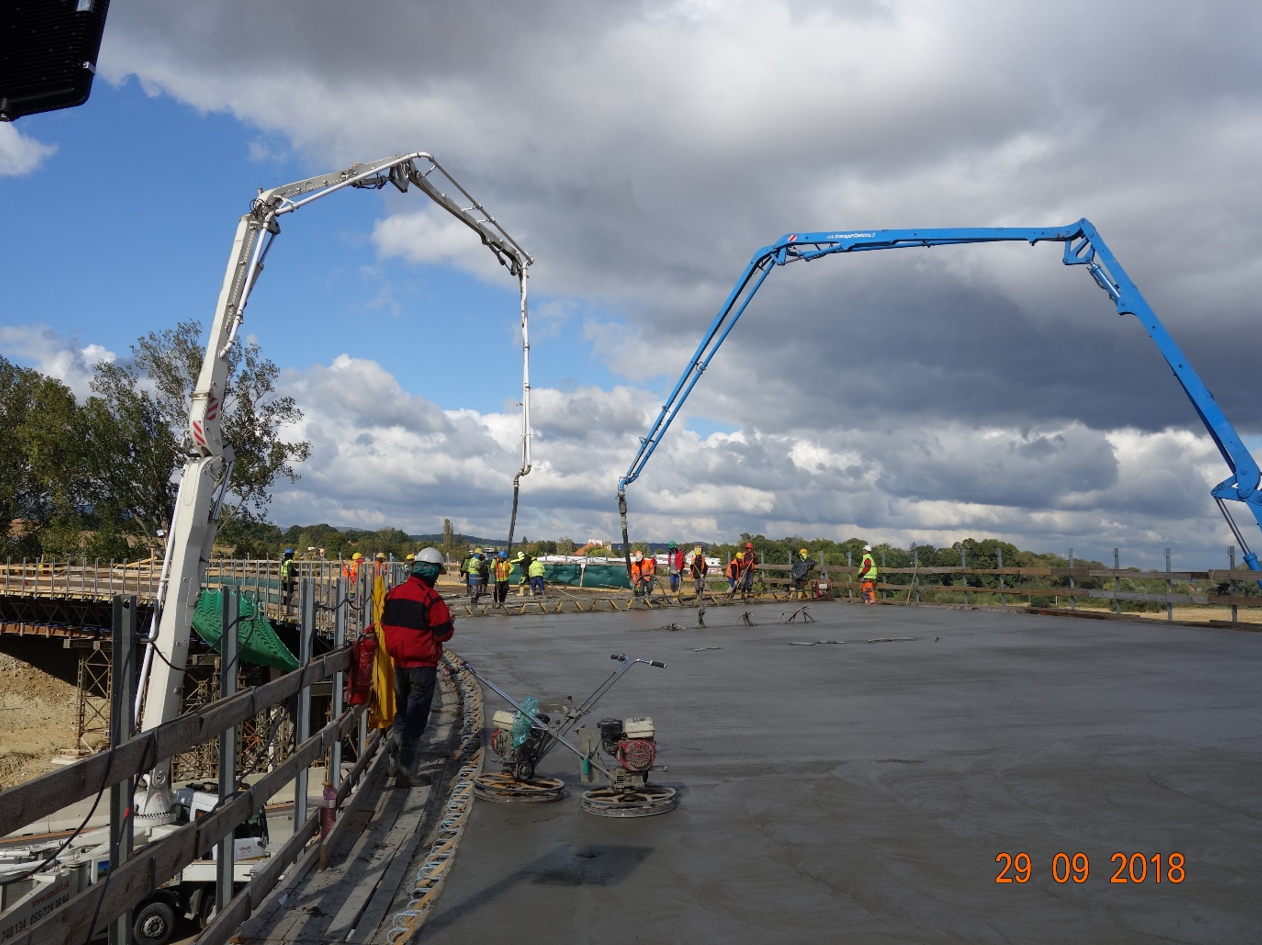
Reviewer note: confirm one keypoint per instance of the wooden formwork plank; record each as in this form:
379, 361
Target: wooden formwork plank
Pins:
399, 841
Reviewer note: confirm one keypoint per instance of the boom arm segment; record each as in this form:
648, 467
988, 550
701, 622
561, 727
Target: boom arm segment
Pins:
1083, 247
205, 475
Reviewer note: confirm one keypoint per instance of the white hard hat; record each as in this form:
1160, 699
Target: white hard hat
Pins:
432, 555
867, 547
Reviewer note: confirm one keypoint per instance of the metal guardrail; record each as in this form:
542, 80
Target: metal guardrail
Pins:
259, 580
137, 876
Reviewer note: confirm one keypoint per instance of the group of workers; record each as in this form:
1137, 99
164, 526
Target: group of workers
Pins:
739, 572
416, 621
644, 570
478, 567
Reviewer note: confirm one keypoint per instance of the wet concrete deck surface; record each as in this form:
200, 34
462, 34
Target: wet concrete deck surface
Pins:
860, 792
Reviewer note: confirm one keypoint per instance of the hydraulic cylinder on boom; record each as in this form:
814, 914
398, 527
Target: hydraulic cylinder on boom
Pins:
1083, 246
204, 479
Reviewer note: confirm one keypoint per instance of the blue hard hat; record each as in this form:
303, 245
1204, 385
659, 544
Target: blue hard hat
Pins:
289, 551
503, 554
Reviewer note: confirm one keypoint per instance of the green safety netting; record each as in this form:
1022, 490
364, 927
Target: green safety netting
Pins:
256, 640
597, 575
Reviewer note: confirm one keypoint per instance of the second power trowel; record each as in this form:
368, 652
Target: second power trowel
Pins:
523, 736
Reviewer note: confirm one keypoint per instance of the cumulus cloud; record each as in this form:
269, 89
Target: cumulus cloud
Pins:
643, 152
19, 154
43, 349
383, 457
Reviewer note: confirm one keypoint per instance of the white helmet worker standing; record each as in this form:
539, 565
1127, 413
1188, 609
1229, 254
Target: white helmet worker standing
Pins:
868, 575
416, 623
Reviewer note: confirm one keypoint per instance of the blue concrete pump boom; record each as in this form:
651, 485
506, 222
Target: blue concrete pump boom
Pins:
1083, 247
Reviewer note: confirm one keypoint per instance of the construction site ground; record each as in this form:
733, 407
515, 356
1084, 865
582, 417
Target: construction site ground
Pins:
859, 779
37, 720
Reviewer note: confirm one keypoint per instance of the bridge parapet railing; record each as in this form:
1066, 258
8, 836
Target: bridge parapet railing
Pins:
1047, 586
135, 878
80, 578
259, 579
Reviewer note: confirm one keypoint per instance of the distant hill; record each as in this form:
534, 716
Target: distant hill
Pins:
437, 540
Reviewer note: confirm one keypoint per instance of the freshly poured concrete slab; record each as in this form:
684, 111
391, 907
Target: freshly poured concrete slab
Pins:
856, 791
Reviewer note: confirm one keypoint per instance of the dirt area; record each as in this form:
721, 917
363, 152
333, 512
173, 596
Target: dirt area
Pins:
37, 719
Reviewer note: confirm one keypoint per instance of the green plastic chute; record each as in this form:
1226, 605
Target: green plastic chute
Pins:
257, 642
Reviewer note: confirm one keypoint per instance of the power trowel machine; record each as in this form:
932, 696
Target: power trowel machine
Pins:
522, 738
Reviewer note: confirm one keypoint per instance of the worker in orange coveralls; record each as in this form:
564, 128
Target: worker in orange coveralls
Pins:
642, 572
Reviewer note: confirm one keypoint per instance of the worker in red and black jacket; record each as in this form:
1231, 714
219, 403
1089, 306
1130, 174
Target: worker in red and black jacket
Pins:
416, 623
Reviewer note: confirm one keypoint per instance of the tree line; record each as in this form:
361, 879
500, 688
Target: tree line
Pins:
97, 477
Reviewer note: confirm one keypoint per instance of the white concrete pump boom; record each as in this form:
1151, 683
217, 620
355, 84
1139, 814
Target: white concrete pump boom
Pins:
205, 476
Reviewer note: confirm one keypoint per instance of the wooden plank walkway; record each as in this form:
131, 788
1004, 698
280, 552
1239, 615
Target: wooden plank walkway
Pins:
367, 877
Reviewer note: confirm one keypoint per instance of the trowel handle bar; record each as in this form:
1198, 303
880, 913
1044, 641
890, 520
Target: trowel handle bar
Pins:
622, 657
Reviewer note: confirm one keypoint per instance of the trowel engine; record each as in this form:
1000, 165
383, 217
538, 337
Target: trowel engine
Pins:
519, 759
630, 742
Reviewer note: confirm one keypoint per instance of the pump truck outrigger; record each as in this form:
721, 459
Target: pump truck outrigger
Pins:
1083, 247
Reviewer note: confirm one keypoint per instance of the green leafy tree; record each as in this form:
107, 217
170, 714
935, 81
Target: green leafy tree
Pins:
138, 428
43, 494
449, 539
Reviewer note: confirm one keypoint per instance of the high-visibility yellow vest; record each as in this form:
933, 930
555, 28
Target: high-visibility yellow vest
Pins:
537, 568
872, 568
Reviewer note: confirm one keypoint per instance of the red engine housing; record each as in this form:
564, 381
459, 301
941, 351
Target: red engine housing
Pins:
636, 754
359, 679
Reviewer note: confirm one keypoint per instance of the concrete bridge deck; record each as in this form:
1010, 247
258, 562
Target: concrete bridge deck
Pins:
859, 791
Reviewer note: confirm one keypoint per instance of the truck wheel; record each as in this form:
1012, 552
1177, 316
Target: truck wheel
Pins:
209, 908
154, 924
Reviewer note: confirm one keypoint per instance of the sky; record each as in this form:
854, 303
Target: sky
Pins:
642, 152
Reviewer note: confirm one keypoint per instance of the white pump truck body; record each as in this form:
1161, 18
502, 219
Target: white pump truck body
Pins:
207, 469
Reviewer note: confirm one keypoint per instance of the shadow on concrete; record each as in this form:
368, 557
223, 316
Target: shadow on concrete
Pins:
595, 864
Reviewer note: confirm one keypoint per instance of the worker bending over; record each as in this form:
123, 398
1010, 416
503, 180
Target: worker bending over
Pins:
416, 623
643, 571
537, 571
868, 575
523, 562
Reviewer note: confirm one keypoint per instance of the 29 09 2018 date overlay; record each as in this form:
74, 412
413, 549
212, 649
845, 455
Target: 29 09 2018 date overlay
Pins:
1128, 868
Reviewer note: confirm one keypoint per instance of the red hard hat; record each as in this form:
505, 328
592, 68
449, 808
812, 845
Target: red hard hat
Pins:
749, 544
